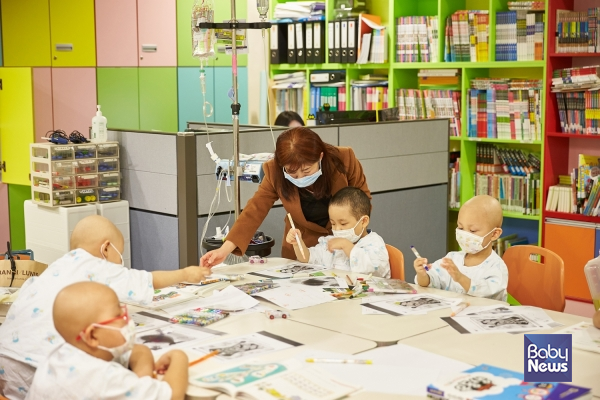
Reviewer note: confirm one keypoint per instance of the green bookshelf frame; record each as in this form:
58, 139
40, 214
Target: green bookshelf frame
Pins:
404, 75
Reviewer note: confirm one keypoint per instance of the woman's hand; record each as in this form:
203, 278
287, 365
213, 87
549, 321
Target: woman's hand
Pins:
291, 236
217, 256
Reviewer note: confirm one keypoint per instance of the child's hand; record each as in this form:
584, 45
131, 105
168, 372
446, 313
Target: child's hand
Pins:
339, 244
420, 264
196, 274
452, 269
165, 361
291, 236
141, 361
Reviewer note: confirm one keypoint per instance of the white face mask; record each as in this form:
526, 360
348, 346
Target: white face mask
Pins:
349, 233
470, 242
118, 252
128, 332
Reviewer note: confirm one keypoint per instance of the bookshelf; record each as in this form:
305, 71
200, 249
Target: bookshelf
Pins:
404, 75
572, 236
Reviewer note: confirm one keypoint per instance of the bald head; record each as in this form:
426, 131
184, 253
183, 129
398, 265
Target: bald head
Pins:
484, 208
81, 304
93, 232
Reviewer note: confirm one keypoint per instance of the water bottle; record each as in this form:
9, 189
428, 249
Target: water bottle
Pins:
592, 275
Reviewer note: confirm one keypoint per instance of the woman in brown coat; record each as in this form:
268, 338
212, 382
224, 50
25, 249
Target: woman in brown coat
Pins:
304, 174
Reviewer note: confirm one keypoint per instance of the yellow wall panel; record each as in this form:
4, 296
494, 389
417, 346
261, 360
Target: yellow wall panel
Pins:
72, 22
26, 33
16, 123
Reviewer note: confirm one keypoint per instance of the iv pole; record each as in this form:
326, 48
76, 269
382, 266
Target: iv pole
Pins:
262, 249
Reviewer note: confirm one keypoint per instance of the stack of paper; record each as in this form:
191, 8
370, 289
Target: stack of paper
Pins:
289, 270
406, 304
500, 318
299, 9
585, 336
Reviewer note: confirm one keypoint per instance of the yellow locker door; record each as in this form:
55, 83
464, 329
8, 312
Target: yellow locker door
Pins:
72, 33
25, 33
16, 120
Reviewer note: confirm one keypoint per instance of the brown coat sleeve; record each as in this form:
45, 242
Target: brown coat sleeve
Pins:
254, 213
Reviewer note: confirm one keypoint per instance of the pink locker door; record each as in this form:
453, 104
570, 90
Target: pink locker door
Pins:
116, 33
42, 103
74, 98
157, 34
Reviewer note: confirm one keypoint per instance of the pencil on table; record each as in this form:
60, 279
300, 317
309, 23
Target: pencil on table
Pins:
206, 357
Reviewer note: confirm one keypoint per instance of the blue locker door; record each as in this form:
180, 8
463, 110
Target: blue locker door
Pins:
190, 95
222, 102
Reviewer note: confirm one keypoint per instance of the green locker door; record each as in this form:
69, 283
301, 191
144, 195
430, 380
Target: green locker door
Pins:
222, 102
158, 99
16, 120
72, 23
118, 94
17, 194
25, 33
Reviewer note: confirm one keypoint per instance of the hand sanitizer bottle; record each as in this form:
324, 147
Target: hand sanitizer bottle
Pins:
592, 275
99, 128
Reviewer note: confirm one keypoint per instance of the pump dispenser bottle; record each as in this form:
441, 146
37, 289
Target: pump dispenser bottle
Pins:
99, 128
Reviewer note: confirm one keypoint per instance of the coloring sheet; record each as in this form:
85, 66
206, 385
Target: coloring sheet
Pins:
412, 304
585, 336
289, 270
250, 345
146, 321
174, 336
229, 299
500, 318
296, 296
317, 281
166, 297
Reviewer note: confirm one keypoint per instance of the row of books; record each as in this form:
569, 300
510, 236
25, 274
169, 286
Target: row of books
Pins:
327, 98
505, 109
289, 99
519, 36
579, 112
417, 39
577, 31
576, 78
454, 179
427, 104
505, 242
527, 5
369, 98
490, 159
518, 194
467, 35
579, 192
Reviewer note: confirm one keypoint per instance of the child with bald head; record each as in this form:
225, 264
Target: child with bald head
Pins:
476, 270
28, 335
90, 364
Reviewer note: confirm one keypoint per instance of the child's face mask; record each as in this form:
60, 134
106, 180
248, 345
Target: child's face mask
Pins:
349, 234
118, 252
470, 242
127, 331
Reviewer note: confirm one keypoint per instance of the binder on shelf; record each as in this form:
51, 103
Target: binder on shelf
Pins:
308, 41
291, 43
344, 41
300, 51
352, 40
278, 43
330, 42
328, 77
337, 56
319, 42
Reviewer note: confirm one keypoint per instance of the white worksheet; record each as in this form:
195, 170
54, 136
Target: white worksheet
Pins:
229, 299
294, 297
585, 336
289, 270
412, 304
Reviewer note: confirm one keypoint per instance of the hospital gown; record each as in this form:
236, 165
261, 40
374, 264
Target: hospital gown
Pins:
488, 279
70, 373
28, 335
368, 256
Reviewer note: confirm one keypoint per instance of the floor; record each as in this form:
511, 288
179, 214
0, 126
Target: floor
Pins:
579, 308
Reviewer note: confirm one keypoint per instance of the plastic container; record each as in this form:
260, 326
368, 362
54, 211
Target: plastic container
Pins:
86, 196
109, 194
592, 275
40, 167
63, 182
87, 181
39, 152
85, 151
86, 167
108, 164
109, 180
108, 150
56, 198
62, 168
62, 153
41, 182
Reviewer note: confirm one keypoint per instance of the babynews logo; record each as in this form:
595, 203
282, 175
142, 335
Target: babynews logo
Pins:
548, 358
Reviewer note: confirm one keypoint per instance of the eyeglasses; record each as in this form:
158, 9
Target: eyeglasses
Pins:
124, 316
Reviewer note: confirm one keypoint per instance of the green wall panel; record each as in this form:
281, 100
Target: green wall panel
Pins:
184, 35
222, 101
190, 95
158, 99
118, 94
17, 194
